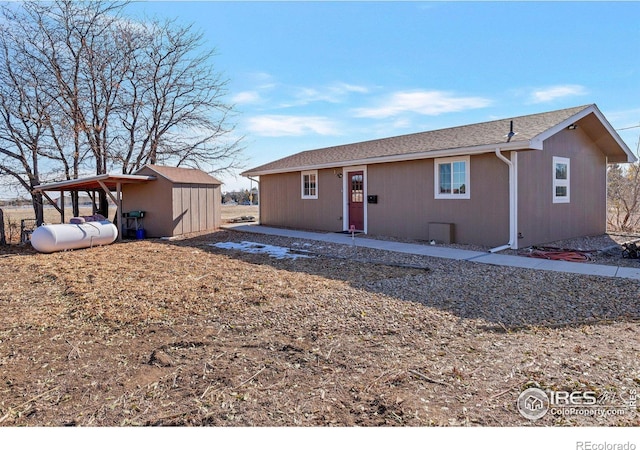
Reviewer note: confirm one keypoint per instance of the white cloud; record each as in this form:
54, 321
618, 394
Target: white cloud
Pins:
246, 97
333, 93
280, 125
554, 92
428, 103
346, 87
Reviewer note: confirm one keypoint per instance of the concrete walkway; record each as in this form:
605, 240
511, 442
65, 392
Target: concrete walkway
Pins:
447, 252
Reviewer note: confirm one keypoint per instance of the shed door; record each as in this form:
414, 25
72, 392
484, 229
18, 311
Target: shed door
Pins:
356, 200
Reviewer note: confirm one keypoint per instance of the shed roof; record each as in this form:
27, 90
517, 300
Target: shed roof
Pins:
530, 131
94, 183
181, 174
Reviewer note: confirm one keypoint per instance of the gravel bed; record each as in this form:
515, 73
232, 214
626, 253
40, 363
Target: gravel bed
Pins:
497, 296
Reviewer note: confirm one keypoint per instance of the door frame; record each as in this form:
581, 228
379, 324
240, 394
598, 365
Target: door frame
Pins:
345, 196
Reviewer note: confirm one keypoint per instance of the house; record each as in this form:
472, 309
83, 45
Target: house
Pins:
178, 201
504, 184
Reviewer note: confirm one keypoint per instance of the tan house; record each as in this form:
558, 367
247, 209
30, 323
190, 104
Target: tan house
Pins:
505, 184
177, 201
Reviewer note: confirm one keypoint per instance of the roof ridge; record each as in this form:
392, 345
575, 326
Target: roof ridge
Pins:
577, 108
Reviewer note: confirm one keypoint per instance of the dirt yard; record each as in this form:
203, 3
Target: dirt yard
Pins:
183, 333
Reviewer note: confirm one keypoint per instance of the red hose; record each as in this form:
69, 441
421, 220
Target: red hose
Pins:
560, 254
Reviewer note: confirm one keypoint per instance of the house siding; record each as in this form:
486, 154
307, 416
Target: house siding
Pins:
539, 219
281, 204
154, 198
406, 203
195, 208
172, 209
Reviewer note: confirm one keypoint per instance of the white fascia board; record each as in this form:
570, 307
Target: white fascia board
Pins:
490, 148
60, 184
630, 156
539, 139
562, 125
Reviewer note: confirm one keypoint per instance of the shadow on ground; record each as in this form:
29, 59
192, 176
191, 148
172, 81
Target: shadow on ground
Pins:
501, 298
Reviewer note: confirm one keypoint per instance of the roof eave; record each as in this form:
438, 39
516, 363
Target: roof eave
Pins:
476, 150
81, 182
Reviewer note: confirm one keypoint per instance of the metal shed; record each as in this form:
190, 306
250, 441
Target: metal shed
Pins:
178, 201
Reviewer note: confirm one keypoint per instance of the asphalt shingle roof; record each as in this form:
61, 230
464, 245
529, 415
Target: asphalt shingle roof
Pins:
466, 136
184, 175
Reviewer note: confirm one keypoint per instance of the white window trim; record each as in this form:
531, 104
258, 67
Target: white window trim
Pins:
302, 174
436, 177
556, 182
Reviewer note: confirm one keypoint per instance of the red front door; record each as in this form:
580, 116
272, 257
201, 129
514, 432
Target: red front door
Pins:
356, 200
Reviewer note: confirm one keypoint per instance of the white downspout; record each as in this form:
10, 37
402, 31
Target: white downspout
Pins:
513, 203
606, 196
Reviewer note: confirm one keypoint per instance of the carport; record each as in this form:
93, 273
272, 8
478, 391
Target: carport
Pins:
108, 183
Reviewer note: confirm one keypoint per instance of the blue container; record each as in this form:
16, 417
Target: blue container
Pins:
140, 234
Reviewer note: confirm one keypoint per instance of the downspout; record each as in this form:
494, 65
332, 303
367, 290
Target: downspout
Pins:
606, 195
513, 203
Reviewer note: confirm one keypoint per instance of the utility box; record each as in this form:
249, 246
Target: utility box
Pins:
442, 233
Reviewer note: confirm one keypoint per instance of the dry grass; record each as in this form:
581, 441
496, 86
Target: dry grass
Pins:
231, 212
181, 333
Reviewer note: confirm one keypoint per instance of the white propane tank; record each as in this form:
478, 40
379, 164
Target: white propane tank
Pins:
67, 236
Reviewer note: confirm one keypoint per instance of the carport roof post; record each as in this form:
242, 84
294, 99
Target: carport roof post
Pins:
105, 182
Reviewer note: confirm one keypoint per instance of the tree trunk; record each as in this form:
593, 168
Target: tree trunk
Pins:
103, 204
75, 203
38, 210
3, 239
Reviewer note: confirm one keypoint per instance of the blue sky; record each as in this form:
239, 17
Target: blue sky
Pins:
306, 75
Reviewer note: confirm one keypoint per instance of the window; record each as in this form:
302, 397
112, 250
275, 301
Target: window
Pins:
561, 176
309, 184
452, 177
357, 188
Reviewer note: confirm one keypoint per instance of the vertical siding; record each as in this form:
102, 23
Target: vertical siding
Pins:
281, 204
153, 197
204, 208
406, 202
187, 207
178, 211
539, 219
196, 208
174, 209
216, 201
405, 205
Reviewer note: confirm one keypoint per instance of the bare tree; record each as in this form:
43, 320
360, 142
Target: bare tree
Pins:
623, 197
71, 39
51, 42
173, 101
108, 92
23, 119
